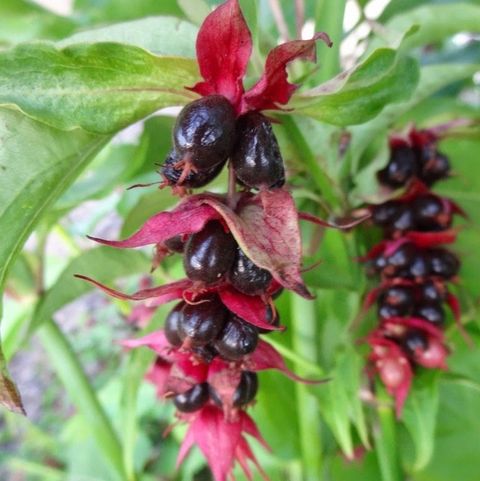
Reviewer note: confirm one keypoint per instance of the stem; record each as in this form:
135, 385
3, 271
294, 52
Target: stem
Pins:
68, 368
386, 439
232, 187
304, 152
299, 16
304, 340
277, 12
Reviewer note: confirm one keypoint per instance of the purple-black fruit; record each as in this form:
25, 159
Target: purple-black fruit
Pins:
404, 220
237, 339
193, 180
386, 311
246, 389
415, 341
171, 325
175, 244
443, 263
193, 399
271, 317
398, 296
209, 254
204, 133
200, 323
247, 277
400, 169
384, 214
436, 167
431, 312
256, 158
430, 292
430, 213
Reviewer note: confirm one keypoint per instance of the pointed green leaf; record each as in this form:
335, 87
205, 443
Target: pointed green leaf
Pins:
100, 87
9, 396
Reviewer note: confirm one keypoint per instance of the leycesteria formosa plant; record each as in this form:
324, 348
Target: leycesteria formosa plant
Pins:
240, 248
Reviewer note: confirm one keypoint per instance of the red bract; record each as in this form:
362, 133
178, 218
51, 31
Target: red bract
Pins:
224, 46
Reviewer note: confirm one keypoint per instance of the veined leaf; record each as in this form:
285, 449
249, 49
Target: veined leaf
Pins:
359, 94
100, 87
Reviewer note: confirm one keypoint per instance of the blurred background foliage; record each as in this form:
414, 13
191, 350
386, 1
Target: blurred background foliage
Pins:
90, 416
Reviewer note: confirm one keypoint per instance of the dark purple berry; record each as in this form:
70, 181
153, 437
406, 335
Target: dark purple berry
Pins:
209, 254
193, 399
430, 292
384, 214
419, 266
385, 311
193, 180
175, 244
436, 168
402, 256
400, 168
271, 317
443, 263
237, 339
247, 277
404, 220
415, 341
431, 312
206, 353
171, 325
204, 133
256, 157
201, 323
430, 213
246, 389
398, 296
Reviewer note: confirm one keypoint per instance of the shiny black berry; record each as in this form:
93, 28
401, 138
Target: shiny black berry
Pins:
398, 296
436, 168
430, 292
175, 244
431, 312
204, 132
256, 157
386, 311
419, 266
247, 277
246, 389
400, 169
415, 341
202, 322
443, 263
404, 220
384, 214
430, 213
193, 180
193, 399
209, 254
237, 339
171, 325
271, 317
402, 257
206, 353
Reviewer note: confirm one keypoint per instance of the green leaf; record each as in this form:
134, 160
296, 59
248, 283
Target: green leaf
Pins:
419, 417
101, 87
358, 95
436, 22
160, 35
36, 164
9, 396
102, 263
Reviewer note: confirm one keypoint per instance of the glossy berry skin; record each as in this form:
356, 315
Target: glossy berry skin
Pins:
402, 257
247, 277
397, 296
205, 353
429, 213
193, 399
256, 157
443, 263
209, 254
236, 340
175, 244
172, 323
404, 220
202, 322
274, 321
384, 214
193, 180
415, 341
430, 292
400, 169
204, 132
386, 311
433, 313
419, 266
435, 168
246, 389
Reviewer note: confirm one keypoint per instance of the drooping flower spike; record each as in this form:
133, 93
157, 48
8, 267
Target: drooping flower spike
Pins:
413, 264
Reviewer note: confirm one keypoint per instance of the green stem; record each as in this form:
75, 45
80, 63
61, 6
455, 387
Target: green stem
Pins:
68, 368
304, 340
386, 439
329, 18
305, 153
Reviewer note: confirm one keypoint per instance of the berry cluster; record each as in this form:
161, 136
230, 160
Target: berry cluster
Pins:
413, 265
240, 249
